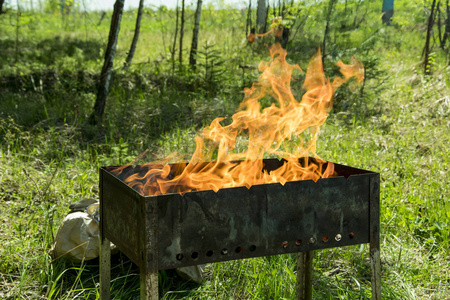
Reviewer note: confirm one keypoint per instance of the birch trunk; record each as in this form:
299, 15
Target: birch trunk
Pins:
427, 68
248, 24
180, 58
327, 29
174, 41
136, 36
447, 24
105, 77
261, 15
194, 46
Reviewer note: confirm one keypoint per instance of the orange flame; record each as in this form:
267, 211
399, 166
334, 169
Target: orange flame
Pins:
286, 129
277, 29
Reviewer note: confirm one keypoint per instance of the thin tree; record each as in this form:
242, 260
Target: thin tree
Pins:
265, 19
2, 2
279, 8
174, 41
327, 28
261, 15
18, 13
105, 77
426, 63
180, 58
136, 35
194, 46
248, 24
447, 24
438, 9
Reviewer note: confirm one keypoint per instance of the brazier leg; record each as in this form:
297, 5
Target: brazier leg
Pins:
375, 265
374, 236
300, 276
149, 268
304, 275
149, 285
105, 268
308, 274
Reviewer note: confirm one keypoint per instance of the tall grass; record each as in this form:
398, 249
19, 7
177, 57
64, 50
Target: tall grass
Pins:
49, 156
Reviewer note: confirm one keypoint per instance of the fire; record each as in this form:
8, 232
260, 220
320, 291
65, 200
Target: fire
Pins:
277, 30
286, 129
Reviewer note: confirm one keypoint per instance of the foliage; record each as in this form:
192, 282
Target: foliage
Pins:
49, 156
211, 63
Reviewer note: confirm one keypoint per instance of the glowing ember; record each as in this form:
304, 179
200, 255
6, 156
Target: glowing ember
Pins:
286, 129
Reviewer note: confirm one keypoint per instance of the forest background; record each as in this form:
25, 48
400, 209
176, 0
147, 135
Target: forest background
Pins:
396, 123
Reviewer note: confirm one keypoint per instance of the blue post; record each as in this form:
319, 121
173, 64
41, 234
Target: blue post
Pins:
387, 5
388, 11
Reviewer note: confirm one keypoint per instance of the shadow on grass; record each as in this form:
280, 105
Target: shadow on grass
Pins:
140, 106
82, 281
49, 51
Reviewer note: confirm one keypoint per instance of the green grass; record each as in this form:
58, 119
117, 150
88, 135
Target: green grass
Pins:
49, 155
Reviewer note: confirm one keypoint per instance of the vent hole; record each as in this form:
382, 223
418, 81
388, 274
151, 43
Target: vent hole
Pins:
298, 242
325, 239
338, 237
179, 256
224, 251
252, 248
351, 235
194, 255
209, 253
312, 240
238, 250
284, 244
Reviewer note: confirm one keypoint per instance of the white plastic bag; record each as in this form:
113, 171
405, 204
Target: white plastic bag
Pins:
77, 238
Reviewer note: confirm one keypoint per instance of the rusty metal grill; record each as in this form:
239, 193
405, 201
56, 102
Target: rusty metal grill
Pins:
171, 231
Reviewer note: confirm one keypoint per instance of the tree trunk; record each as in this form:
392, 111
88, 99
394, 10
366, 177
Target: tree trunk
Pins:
266, 17
249, 18
327, 28
194, 46
136, 35
441, 41
427, 68
447, 24
180, 58
261, 15
174, 41
1, 6
279, 8
18, 13
105, 77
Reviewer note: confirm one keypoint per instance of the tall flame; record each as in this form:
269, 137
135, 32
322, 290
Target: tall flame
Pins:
286, 129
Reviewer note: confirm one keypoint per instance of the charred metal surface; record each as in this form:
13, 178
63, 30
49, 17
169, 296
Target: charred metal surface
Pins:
263, 220
235, 223
121, 216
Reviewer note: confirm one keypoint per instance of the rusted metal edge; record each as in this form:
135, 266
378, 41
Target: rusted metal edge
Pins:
115, 221
105, 252
375, 259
